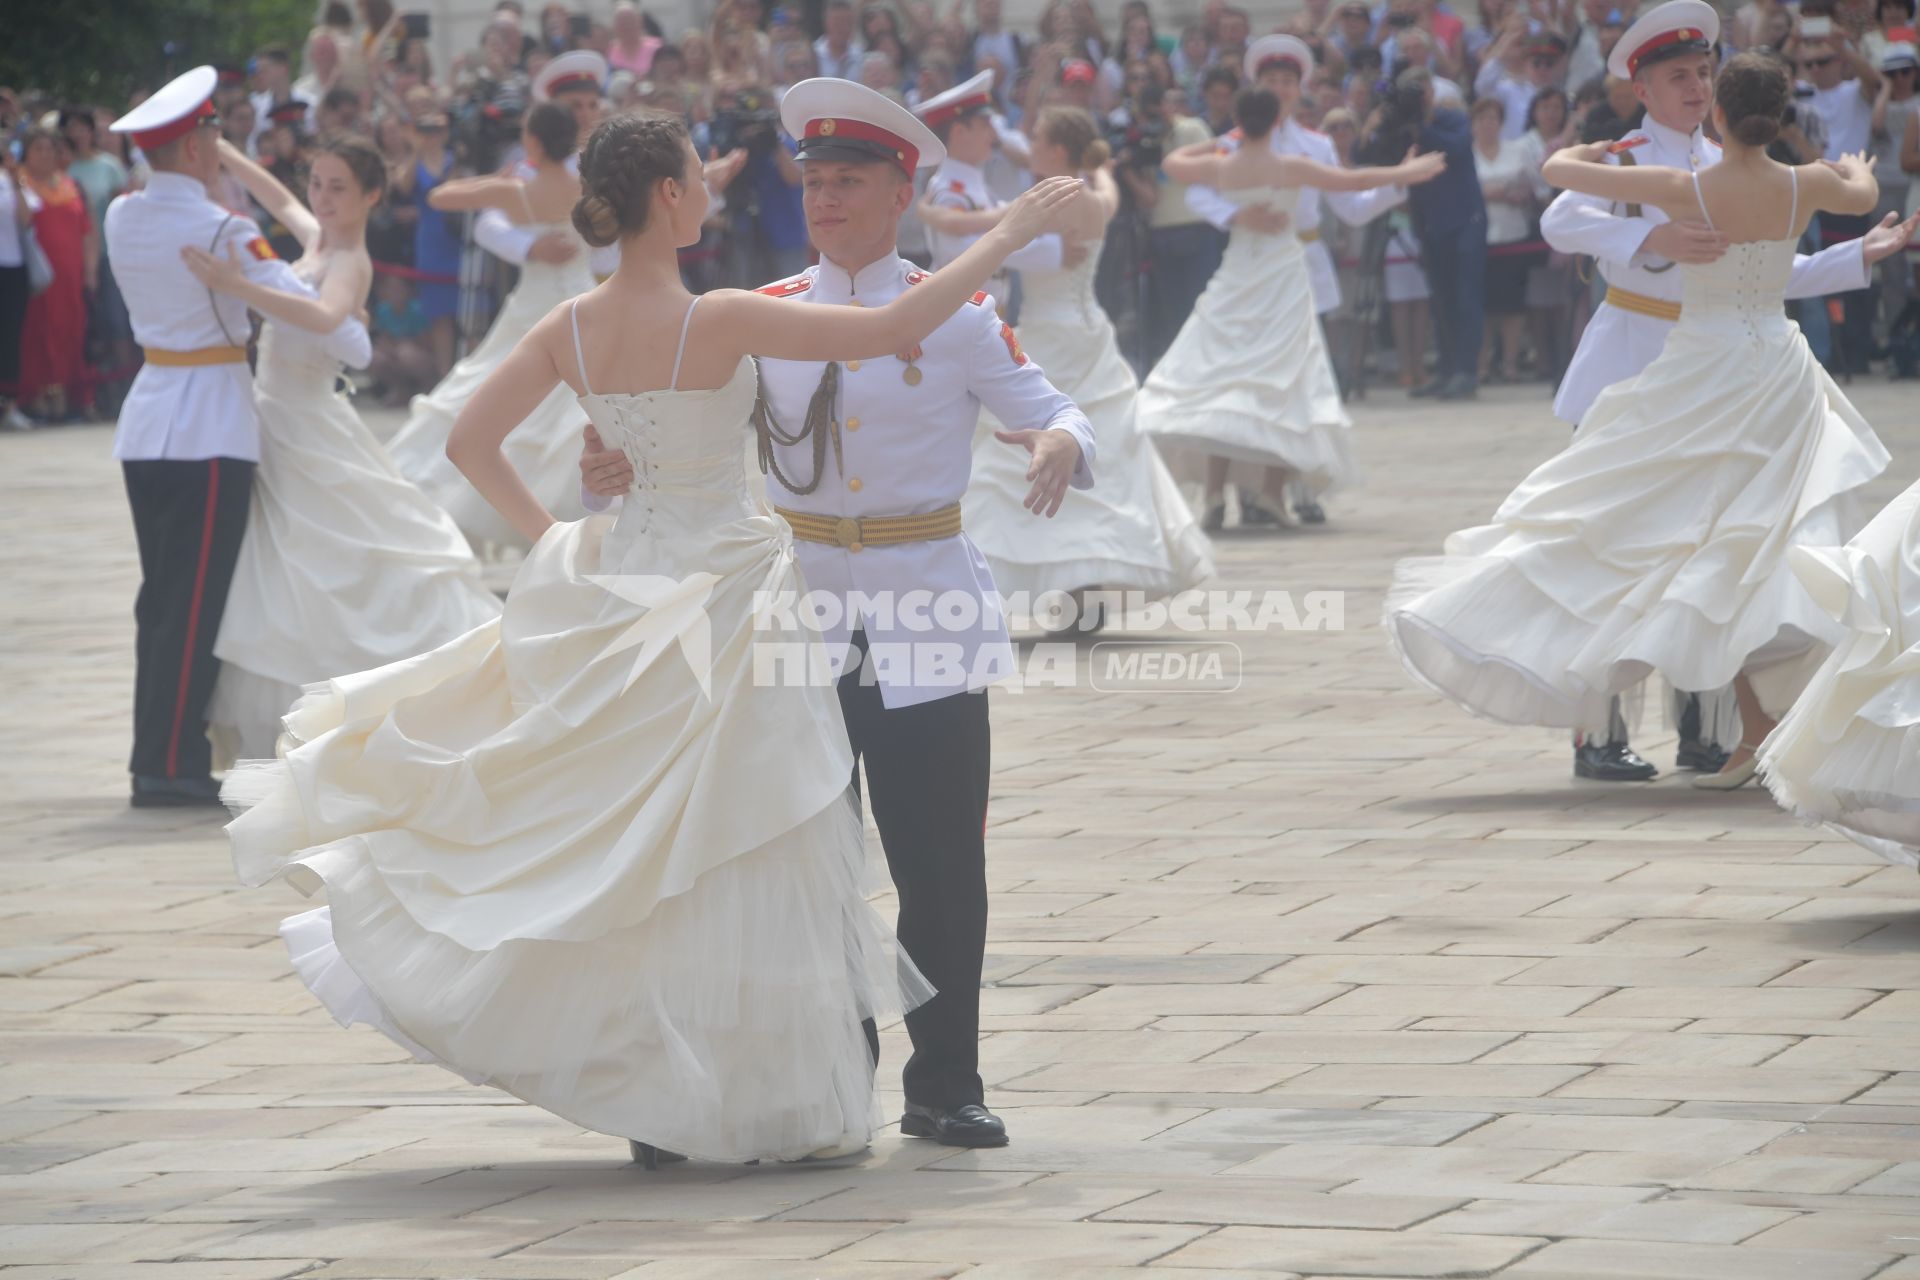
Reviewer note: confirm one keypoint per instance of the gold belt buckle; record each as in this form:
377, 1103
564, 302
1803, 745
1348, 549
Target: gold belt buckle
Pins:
846, 532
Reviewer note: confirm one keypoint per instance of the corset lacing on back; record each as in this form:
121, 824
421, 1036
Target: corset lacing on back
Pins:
667, 437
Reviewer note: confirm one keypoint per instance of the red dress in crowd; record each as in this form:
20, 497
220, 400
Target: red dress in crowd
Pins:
53, 346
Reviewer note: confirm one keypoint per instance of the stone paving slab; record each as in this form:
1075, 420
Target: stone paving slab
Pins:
1318, 978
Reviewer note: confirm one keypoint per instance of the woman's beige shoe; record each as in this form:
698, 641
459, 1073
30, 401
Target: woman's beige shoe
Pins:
1733, 777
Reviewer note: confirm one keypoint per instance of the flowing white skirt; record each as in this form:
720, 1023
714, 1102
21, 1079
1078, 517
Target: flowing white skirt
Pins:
345, 565
1248, 376
544, 448
1657, 541
559, 862
1848, 753
1133, 530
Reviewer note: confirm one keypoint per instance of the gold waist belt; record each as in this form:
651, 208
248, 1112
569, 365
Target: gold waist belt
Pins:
1641, 305
195, 359
872, 531
1309, 235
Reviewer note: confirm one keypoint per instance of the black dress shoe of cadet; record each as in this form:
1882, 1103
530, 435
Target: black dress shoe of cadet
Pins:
1310, 512
971, 1125
174, 793
1428, 390
1610, 762
1705, 757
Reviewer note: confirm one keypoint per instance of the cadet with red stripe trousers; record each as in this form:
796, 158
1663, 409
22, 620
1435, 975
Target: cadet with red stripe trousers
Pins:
187, 439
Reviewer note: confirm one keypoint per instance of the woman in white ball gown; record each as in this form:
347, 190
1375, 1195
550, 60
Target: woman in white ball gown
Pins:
1658, 541
584, 852
1135, 531
1848, 753
346, 565
1247, 378
543, 448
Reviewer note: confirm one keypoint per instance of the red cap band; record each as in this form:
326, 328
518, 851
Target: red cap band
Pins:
903, 153
1661, 41
953, 110
573, 83
1279, 60
148, 139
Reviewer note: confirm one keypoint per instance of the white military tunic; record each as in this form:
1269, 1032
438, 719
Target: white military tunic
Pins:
187, 413
1619, 343
958, 185
1355, 208
908, 451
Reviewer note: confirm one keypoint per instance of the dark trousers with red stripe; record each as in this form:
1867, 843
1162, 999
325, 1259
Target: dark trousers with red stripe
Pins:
189, 518
927, 769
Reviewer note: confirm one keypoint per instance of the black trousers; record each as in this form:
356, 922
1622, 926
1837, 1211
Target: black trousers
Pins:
1456, 265
189, 518
927, 768
1184, 260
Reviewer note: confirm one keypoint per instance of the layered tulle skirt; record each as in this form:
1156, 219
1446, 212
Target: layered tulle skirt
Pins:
590, 854
1248, 376
345, 565
1134, 530
1657, 541
1848, 753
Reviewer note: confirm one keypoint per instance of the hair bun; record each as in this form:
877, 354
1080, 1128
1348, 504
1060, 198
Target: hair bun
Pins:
597, 221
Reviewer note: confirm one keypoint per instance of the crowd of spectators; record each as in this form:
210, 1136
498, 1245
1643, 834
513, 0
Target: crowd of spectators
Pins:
1498, 89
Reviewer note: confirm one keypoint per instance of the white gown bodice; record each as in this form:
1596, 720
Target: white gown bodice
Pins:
1280, 199
685, 448
1065, 296
1742, 292
555, 282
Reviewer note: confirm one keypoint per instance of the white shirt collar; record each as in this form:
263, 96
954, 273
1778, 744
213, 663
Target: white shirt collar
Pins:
1674, 141
836, 285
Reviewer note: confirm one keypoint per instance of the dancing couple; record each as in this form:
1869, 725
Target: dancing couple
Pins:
585, 852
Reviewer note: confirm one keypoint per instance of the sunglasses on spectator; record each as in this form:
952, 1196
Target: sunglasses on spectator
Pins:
1816, 63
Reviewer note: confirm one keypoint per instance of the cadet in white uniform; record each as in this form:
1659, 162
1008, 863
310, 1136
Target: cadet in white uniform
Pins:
867, 462
1643, 301
962, 119
188, 439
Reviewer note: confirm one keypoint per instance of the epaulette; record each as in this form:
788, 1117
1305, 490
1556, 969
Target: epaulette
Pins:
980, 299
787, 288
916, 276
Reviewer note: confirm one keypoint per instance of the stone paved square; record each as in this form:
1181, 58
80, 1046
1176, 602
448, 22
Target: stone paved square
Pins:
1318, 977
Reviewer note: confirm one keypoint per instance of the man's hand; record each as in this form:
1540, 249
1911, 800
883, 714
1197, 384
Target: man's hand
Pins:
605, 472
1056, 456
1889, 238
1685, 242
552, 248
1262, 218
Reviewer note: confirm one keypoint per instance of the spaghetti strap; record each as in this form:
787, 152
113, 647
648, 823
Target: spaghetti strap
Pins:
573, 314
680, 353
1793, 216
526, 203
1701, 200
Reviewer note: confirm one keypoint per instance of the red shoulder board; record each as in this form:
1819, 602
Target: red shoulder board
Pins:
1628, 144
958, 187
979, 299
787, 288
260, 249
1013, 343
915, 277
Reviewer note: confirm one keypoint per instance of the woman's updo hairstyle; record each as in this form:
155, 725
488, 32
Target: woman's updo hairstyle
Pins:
1255, 110
554, 128
1072, 130
363, 161
626, 158
1753, 93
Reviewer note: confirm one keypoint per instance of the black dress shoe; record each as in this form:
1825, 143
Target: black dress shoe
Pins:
1216, 518
971, 1125
1610, 762
174, 793
1460, 387
1704, 757
1310, 512
1427, 390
